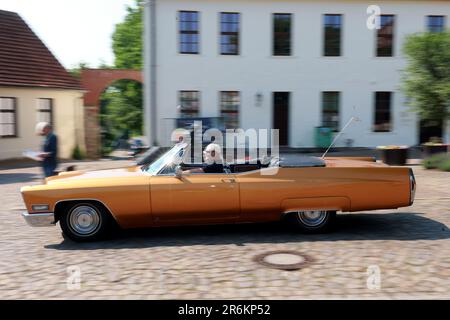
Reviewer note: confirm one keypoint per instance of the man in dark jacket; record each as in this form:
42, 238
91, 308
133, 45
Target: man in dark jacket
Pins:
49, 154
213, 160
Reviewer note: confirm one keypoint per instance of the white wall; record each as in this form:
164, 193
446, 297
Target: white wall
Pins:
357, 74
67, 116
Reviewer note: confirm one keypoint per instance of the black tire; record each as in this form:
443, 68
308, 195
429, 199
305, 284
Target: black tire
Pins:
323, 224
86, 222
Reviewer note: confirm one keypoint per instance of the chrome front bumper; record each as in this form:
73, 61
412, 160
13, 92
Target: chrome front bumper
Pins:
39, 219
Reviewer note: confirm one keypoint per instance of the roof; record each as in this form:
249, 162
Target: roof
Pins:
26, 61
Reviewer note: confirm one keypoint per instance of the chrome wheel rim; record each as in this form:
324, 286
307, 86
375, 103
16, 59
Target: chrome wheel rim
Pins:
84, 220
312, 218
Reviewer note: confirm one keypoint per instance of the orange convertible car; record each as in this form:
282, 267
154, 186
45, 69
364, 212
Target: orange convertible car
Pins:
308, 191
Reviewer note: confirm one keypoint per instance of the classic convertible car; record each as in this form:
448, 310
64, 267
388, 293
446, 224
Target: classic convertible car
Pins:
307, 191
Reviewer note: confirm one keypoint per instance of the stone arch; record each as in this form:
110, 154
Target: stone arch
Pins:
95, 81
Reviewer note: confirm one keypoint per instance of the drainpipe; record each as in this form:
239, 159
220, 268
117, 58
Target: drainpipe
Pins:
150, 71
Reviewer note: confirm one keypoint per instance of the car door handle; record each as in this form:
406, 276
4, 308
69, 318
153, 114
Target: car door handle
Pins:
230, 180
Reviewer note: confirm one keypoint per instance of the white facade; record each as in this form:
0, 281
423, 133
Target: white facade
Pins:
357, 74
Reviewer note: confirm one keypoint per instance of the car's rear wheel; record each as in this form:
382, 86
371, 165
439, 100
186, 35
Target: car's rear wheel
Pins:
84, 222
312, 221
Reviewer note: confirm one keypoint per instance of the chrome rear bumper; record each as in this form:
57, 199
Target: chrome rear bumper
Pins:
39, 219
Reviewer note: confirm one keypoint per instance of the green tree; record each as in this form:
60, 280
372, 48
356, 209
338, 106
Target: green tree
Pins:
121, 103
127, 39
426, 79
76, 71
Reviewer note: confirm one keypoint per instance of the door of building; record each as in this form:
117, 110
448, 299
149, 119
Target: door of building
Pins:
281, 116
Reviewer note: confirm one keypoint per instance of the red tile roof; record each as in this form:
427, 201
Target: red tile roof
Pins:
26, 61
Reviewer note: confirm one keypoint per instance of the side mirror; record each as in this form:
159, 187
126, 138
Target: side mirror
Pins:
178, 172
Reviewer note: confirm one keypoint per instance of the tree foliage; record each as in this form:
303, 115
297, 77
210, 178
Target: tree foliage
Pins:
76, 71
121, 109
127, 39
426, 80
121, 103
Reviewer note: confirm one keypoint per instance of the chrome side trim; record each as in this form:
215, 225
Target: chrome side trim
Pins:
39, 219
284, 213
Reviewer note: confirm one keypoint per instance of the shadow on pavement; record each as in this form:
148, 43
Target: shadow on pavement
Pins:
7, 178
364, 226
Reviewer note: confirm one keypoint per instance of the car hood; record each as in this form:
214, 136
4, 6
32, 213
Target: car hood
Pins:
98, 174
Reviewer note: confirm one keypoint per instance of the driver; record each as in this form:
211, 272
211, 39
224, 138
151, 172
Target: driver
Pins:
213, 160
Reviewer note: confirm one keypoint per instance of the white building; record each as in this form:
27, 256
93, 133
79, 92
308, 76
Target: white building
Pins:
290, 64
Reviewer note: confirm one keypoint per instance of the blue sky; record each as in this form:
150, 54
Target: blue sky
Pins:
74, 30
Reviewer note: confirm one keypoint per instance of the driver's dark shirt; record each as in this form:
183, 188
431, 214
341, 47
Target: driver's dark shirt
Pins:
213, 168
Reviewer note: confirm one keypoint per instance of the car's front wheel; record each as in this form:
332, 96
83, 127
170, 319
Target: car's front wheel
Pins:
84, 222
312, 221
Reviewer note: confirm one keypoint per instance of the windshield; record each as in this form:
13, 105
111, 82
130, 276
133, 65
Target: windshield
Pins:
174, 155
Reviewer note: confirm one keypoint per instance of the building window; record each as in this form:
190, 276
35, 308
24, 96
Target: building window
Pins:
8, 117
45, 110
282, 34
385, 36
332, 33
435, 23
330, 110
229, 108
189, 32
189, 104
229, 33
382, 112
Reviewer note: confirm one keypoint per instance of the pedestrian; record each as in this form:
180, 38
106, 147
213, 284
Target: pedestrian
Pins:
49, 154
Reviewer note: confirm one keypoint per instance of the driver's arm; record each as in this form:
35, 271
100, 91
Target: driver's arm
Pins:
195, 170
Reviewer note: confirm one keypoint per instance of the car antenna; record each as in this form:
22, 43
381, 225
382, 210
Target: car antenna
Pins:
339, 134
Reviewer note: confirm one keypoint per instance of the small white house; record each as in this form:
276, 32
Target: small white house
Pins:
292, 65
35, 87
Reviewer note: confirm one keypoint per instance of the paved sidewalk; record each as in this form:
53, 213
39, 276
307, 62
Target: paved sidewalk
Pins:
409, 246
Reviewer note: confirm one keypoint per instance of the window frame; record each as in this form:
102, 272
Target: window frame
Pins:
338, 101
222, 33
274, 34
427, 20
324, 30
375, 105
14, 112
182, 112
391, 36
50, 111
222, 111
181, 32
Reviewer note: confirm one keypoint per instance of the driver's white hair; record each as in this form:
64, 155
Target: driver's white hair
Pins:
218, 153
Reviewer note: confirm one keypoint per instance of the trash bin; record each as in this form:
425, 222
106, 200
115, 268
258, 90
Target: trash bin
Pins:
394, 155
323, 137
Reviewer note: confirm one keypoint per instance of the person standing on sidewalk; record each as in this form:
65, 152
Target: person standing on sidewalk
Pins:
49, 154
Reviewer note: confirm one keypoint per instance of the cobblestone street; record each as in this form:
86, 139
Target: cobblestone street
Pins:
410, 246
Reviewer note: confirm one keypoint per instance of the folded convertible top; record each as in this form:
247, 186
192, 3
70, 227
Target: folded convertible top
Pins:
302, 161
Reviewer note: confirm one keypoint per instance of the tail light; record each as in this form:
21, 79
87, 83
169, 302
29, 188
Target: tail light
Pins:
412, 187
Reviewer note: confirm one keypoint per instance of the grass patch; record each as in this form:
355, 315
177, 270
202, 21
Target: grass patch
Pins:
439, 161
445, 165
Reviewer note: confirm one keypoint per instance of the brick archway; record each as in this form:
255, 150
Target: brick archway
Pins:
95, 81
